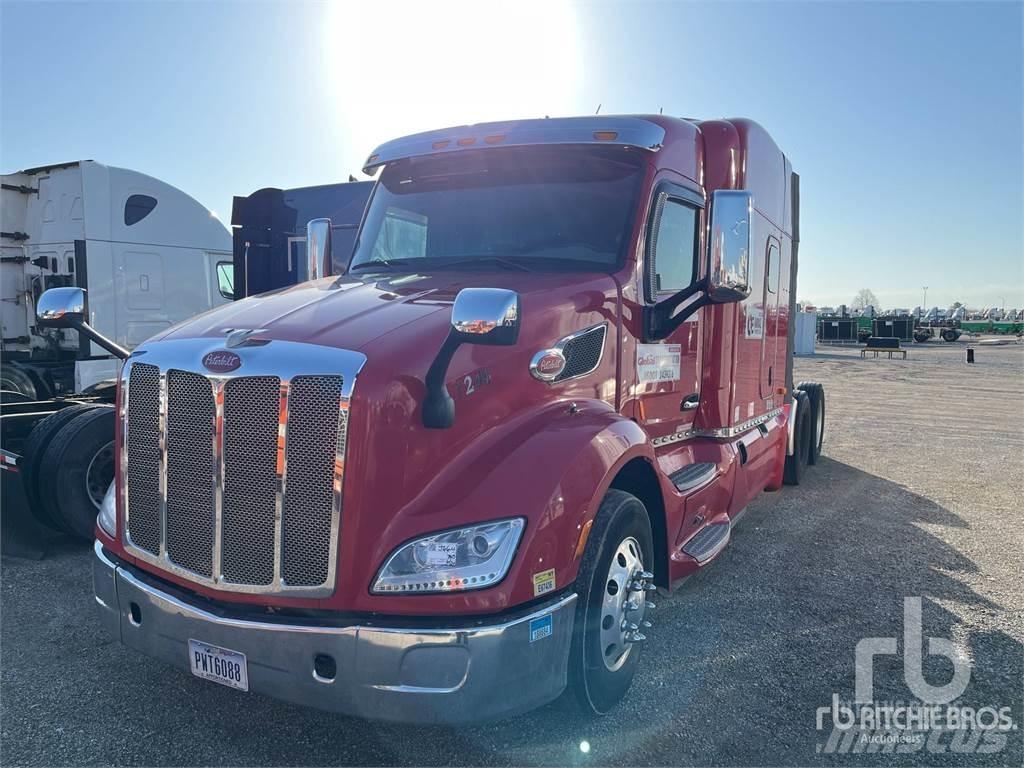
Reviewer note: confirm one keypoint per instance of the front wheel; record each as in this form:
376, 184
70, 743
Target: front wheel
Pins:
612, 611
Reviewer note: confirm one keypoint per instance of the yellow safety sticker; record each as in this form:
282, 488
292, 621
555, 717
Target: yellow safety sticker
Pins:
544, 582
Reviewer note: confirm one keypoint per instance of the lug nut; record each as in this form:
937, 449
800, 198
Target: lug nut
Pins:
646, 624
649, 605
646, 575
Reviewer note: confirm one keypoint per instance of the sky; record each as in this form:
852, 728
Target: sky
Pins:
904, 120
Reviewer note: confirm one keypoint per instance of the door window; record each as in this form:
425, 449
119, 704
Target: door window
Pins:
674, 247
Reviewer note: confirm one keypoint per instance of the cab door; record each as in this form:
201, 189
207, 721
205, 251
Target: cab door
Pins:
668, 372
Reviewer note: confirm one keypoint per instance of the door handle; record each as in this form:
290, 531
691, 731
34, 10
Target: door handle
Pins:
690, 402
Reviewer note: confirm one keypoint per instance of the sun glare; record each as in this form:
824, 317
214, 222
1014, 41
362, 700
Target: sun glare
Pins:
402, 67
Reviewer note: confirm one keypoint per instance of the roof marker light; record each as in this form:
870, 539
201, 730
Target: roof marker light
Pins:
466, 141
372, 159
494, 138
441, 144
606, 135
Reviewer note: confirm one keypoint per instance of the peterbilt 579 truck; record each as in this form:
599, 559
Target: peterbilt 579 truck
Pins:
445, 485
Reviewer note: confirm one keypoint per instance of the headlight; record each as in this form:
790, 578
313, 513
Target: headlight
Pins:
452, 561
107, 517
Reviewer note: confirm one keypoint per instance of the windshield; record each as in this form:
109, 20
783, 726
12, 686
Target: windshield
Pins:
519, 207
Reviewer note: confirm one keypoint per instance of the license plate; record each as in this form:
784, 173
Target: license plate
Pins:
221, 665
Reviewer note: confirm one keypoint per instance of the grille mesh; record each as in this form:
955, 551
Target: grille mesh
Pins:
314, 404
248, 507
583, 353
190, 468
143, 476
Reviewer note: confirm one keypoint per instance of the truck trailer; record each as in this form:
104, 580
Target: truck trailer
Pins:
147, 255
446, 485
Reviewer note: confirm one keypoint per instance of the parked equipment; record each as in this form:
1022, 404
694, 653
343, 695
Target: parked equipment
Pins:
269, 232
138, 255
444, 486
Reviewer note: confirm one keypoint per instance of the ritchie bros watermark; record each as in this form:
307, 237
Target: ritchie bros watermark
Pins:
932, 721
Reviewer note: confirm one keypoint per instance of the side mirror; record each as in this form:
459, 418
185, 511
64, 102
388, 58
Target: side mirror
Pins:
318, 248
479, 316
729, 246
65, 308
61, 308
486, 316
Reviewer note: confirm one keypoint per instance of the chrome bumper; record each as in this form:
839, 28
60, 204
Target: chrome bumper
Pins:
450, 675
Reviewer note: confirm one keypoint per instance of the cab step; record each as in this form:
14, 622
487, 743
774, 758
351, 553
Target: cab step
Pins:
692, 476
708, 542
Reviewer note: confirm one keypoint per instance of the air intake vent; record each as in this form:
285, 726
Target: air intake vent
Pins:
582, 352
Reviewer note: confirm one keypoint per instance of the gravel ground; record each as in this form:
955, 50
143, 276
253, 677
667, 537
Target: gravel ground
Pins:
919, 495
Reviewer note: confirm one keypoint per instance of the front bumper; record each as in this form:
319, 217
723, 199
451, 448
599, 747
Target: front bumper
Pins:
471, 672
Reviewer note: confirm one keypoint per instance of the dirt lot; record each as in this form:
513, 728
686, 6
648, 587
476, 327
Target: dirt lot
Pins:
920, 495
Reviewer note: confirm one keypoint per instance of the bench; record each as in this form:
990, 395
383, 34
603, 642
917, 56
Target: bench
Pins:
878, 344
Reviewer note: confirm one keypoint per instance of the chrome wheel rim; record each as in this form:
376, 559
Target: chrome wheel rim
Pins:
99, 474
623, 604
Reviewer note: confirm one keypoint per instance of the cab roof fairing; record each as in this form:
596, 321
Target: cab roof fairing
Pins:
628, 132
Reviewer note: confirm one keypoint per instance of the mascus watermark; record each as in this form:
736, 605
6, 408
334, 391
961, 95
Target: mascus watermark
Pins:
932, 722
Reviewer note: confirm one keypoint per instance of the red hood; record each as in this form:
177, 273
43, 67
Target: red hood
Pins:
349, 312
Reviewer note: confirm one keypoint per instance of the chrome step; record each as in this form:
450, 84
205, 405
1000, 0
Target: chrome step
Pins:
692, 475
708, 542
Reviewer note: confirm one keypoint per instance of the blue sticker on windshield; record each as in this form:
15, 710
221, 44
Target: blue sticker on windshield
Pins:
541, 628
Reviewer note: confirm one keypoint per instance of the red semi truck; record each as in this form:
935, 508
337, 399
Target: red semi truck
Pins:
443, 486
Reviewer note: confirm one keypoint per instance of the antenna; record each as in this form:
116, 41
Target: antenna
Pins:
598, 110
661, 110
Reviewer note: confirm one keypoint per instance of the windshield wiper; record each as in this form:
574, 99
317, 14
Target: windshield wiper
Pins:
380, 263
461, 260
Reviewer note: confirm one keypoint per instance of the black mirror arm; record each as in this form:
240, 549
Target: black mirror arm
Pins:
659, 322
91, 333
438, 406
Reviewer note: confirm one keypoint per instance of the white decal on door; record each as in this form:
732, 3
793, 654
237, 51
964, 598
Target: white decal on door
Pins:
657, 362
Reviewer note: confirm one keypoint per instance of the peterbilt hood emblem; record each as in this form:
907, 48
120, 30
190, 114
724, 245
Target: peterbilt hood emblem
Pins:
221, 361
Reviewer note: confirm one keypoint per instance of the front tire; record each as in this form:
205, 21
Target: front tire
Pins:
612, 583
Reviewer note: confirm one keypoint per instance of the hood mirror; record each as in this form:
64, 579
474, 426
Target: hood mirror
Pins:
318, 248
66, 308
486, 316
729, 246
479, 316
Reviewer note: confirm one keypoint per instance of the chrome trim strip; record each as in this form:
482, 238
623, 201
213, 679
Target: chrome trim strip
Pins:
286, 360
791, 427
162, 473
282, 475
719, 433
217, 478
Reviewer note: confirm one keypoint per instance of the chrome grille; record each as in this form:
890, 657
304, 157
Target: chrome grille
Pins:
235, 481
313, 430
190, 471
143, 475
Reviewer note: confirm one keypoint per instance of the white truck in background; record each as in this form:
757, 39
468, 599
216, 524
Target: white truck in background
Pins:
149, 256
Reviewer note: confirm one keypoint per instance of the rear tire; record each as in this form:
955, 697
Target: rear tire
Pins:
33, 470
14, 379
816, 394
796, 464
83, 454
601, 663
950, 335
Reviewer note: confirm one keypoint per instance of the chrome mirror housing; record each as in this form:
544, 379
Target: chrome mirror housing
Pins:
318, 248
729, 246
61, 308
486, 316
